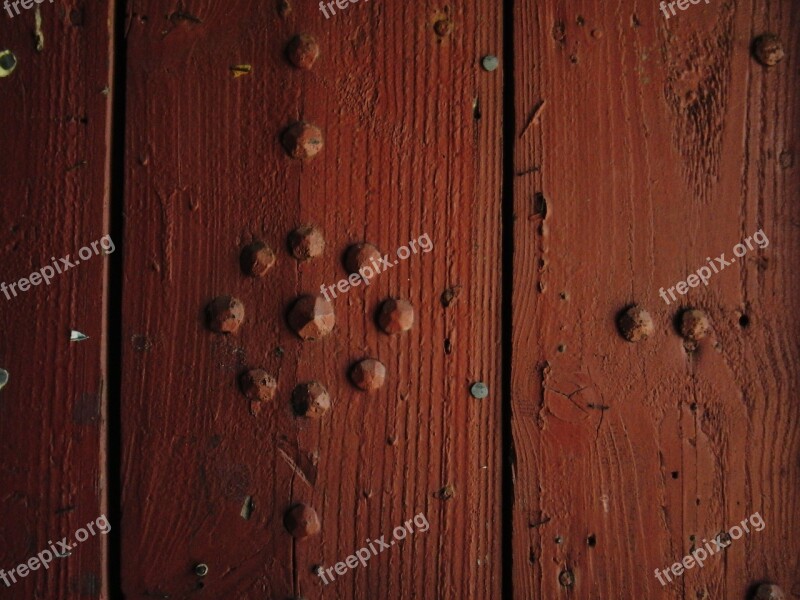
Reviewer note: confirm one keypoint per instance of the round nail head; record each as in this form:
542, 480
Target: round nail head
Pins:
225, 314
489, 62
8, 62
306, 242
443, 27
311, 400
368, 374
769, 591
360, 256
566, 578
256, 259
635, 324
302, 140
479, 390
396, 316
694, 325
303, 51
311, 317
302, 521
257, 385
201, 570
768, 49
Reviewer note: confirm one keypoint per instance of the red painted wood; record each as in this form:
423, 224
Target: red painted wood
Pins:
659, 143
54, 127
404, 156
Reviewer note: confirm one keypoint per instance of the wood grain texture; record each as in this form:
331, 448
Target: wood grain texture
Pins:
660, 143
404, 156
54, 196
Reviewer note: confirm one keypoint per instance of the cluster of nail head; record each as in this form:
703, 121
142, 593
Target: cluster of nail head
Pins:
361, 256
302, 140
768, 49
257, 385
311, 317
303, 51
306, 242
225, 314
636, 324
257, 259
368, 374
396, 316
694, 325
311, 400
302, 521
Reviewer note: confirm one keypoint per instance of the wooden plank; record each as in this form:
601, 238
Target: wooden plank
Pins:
404, 156
54, 130
661, 143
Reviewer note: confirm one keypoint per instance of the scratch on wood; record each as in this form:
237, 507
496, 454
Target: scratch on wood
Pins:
534, 116
38, 36
294, 466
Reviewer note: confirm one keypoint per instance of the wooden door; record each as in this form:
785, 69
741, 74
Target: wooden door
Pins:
535, 178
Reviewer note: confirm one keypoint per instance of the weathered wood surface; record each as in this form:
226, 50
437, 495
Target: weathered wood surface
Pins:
53, 192
660, 143
205, 174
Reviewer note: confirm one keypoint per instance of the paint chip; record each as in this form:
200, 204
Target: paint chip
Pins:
247, 508
241, 70
77, 336
38, 36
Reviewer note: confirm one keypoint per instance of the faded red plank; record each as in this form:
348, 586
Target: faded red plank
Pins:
54, 134
404, 156
661, 143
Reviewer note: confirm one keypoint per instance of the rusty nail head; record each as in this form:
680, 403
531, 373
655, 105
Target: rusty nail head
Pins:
311, 317
489, 63
303, 51
566, 578
256, 259
302, 521
442, 27
635, 324
368, 374
302, 140
225, 314
768, 49
395, 316
311, 400
769, 591
306, 242
694, 325
201, 570
360, 256
258, 385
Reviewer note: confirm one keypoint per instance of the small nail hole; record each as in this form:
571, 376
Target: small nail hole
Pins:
744, 321
592, 540
675, 474
558, 539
